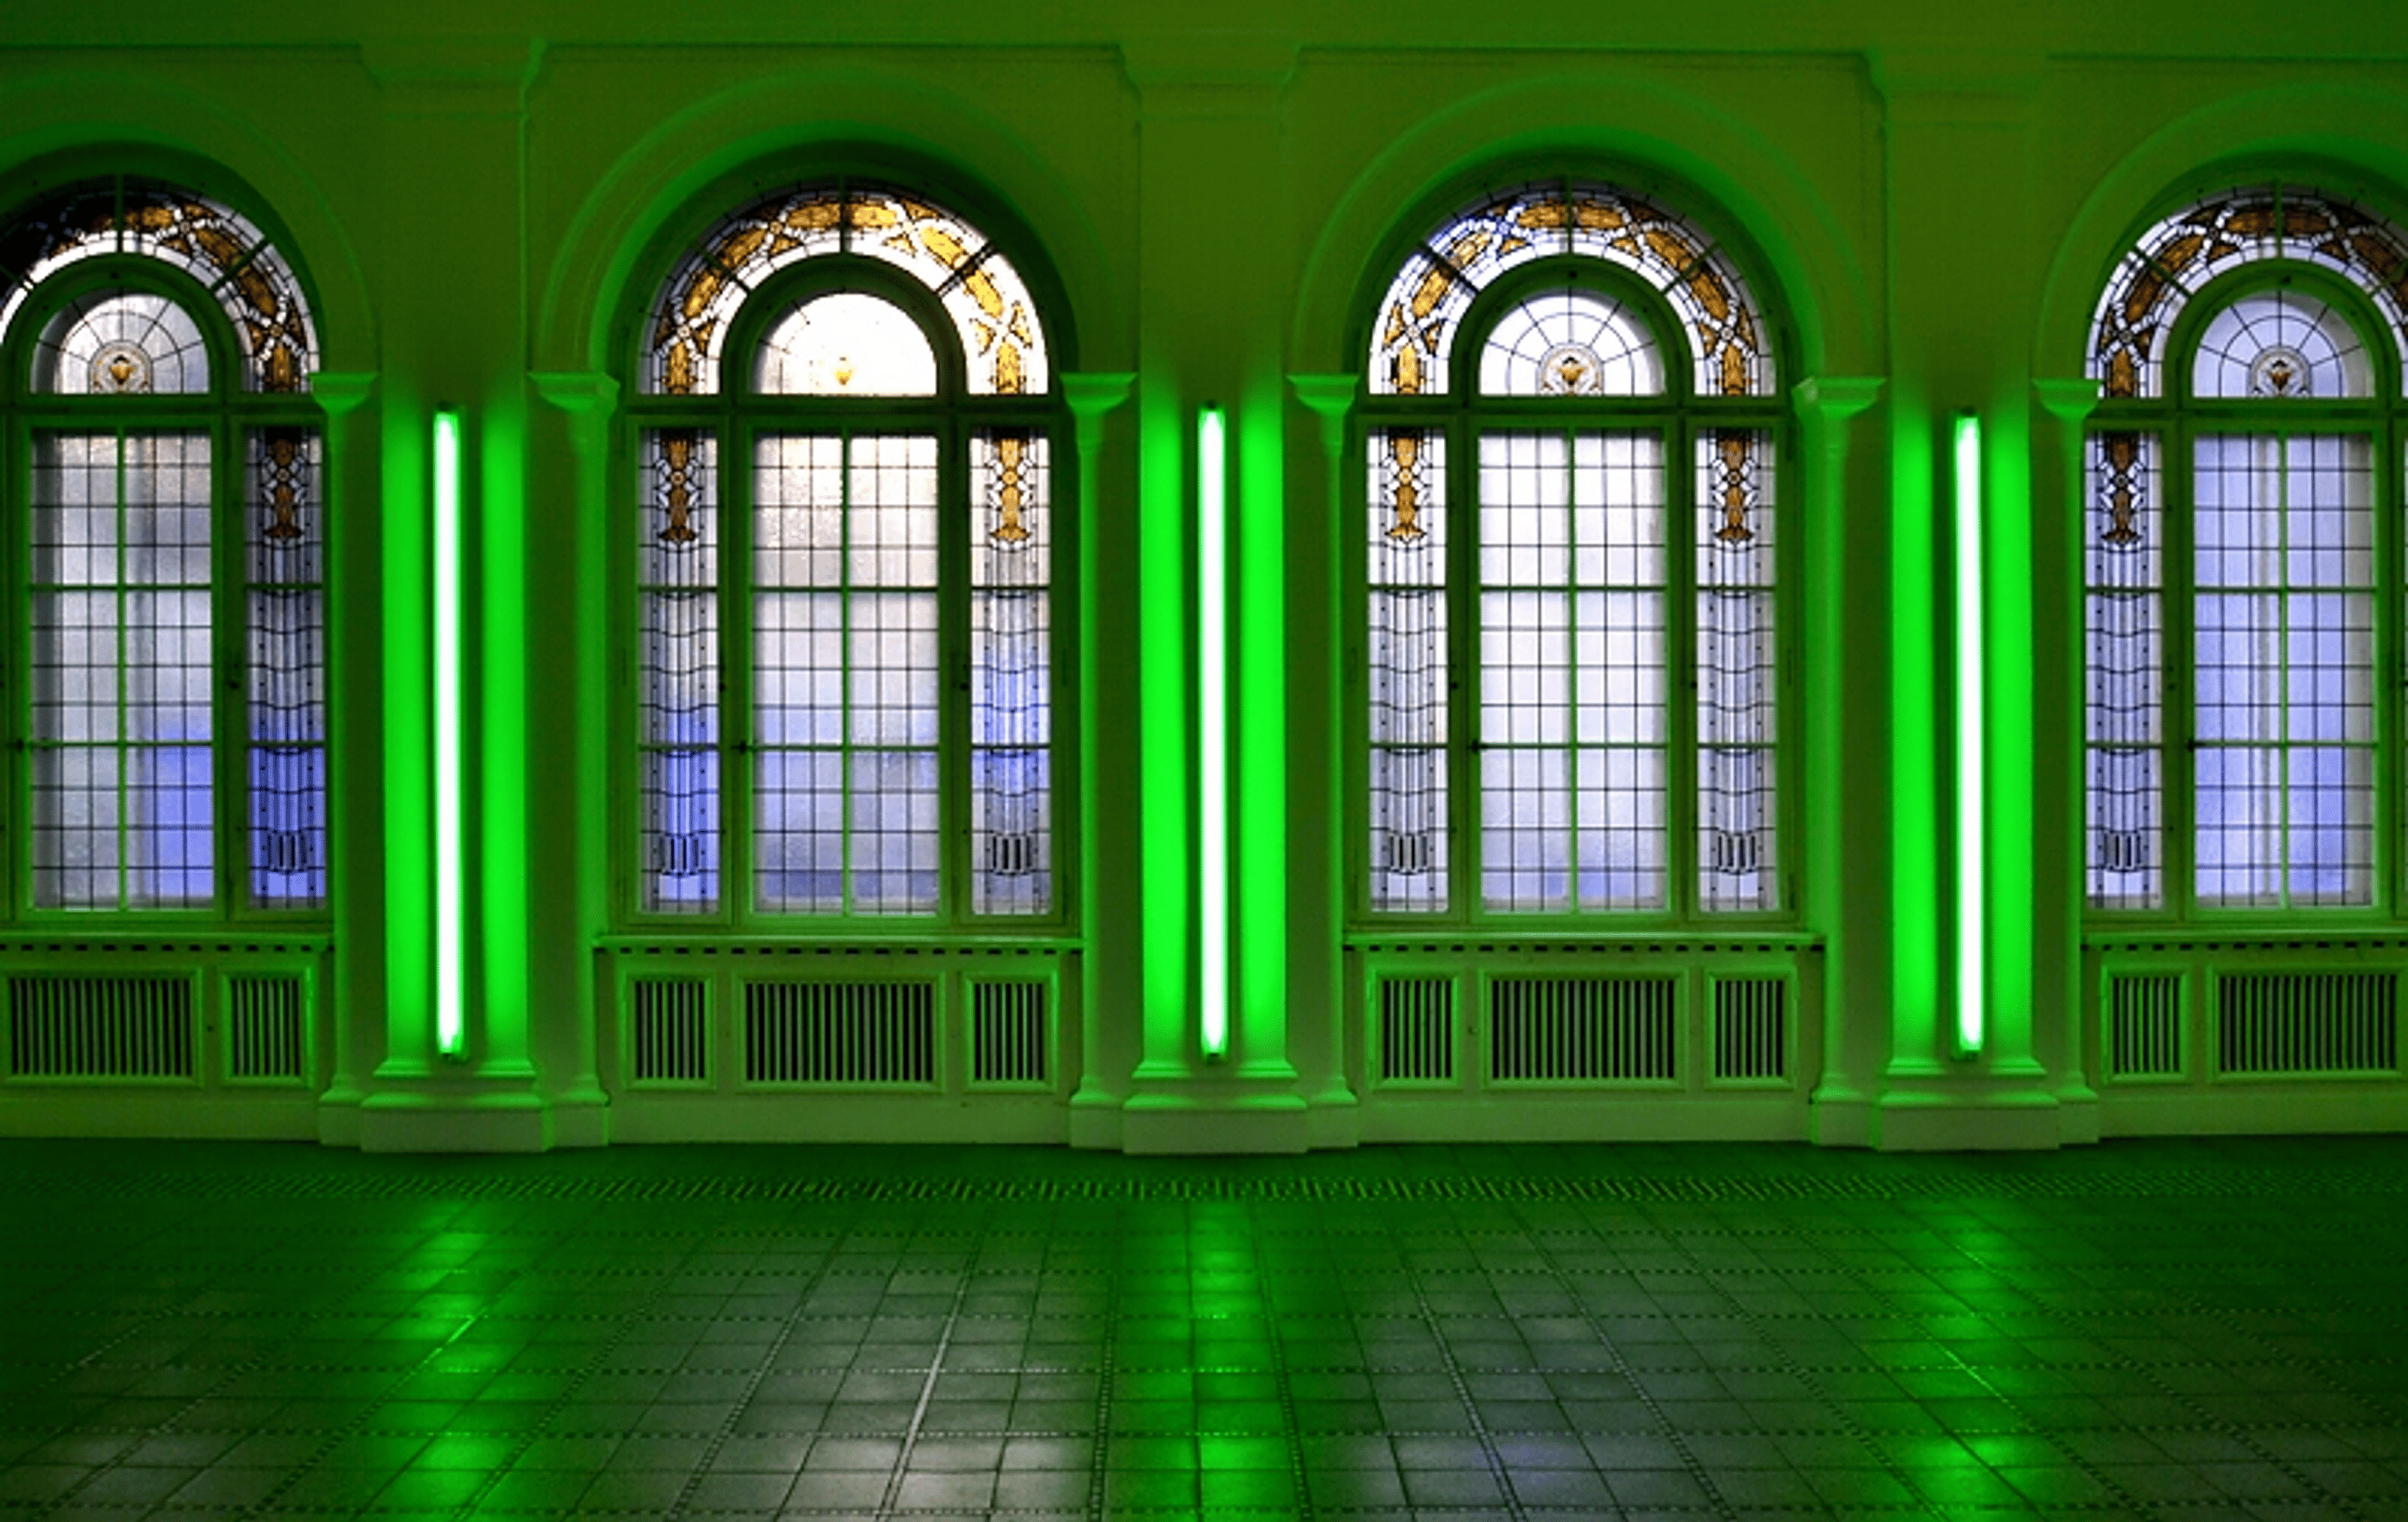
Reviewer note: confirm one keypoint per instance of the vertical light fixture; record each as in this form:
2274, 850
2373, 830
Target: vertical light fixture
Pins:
1971, 911
449, 980
1211, 590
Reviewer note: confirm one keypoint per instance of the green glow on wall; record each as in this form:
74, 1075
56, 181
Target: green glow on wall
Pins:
1163, 545
2011, 885
502, 752
449, 1025
1212, 729
1972, 916
1914, 789
1261, 761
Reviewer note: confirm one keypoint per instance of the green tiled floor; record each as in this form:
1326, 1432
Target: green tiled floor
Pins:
2180, 1330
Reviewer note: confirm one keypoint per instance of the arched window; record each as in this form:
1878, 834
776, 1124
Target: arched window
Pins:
1571, 680
167, 558
2240, 552
843, 559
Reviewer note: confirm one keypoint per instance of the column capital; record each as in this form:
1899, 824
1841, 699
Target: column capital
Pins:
2068, 401
1331, 398
1836, 398
576, 391
1093, 393
338, 392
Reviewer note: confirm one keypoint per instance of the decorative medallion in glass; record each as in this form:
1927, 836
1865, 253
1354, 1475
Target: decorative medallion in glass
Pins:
120, 343
2281, 345
845, 344
1570, 343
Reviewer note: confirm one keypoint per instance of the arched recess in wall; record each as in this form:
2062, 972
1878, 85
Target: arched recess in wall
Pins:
713, 150
1630, 131
173, 736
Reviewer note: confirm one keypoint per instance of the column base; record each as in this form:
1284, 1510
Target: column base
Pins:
454, 1122
1177, 1125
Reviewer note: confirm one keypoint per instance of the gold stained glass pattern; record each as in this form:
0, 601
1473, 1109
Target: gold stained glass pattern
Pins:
2174, 259
992, 314
212, 243
1413, 336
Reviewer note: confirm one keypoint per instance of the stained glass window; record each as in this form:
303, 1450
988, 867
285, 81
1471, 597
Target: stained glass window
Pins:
2237, 600
882, 578
174, 728
1572, 680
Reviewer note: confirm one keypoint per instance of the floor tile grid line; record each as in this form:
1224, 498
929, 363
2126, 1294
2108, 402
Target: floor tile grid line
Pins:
1108, 1364
1628, 1373
1489, 1451
888, 1506
760, 1372
665, 1278
1284, 1387
2100, 1474
1798, 1369
98, 1472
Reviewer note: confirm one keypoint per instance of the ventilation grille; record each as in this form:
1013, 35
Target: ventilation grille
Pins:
1008, 1033
2308, 1023
1417, 1030
668, 1030
841, 1033
1750, 1042
100, 1027
2145, 1025
1592, 1030
267, 1028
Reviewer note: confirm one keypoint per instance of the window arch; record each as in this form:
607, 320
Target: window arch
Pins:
167, 556
846, 635
1570, 687
2241, 559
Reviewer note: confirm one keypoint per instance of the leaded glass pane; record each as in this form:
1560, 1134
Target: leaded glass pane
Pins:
1413, 334
1738, 672
122, 666
285, 607
2283, 685
1010, 539
679, 738
845, 344
1405, 555
845, 662
2282, 346
120, 343
1573, 675
1570, 343
2124, 723
2180, 255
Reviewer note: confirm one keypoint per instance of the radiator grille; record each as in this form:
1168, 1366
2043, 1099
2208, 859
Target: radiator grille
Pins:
841, 1033
1417, 1030
100, 1027
1007, 1032
266, 1036
668, 1030
1750, 1044
2144, 1018
2308, 1023
1558, 1029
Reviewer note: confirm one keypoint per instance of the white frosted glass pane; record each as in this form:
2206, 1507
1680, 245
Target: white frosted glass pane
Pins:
168, 827
1010, 672
846, 344
1619, 659
2330, 667
1571, 342
891, 651
1618, 508
1525, 829
681, 656
1524, 657
2281, 344
2329, 481
2331, 800
2237, 511
2126, 667
798, 836
1011, 832
75, 509
75, 666
2238, 814
2238, 656
1523, 528
121, 343
892, 518
894, 831
799, 668
1408, 666
799, 511
1737, 669
76, 828
1621, 805
167, 669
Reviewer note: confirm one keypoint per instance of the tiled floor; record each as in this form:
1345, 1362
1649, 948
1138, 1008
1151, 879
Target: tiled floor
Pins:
2180, 1330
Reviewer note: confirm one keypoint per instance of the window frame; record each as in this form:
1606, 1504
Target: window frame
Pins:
738, 416
2178, 418
226, 413
1680, 415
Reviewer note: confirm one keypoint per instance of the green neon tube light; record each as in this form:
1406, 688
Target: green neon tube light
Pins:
1972, 911
449, 1025
1211, 577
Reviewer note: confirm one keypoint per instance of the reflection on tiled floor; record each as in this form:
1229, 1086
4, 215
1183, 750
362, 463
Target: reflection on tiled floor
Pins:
2180, 1331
